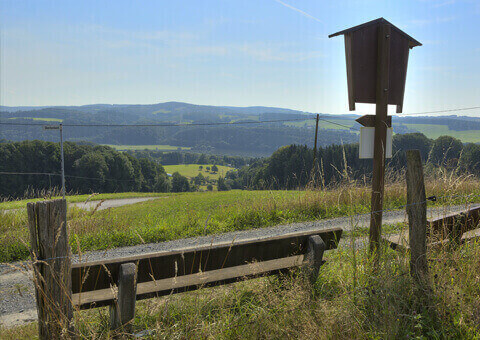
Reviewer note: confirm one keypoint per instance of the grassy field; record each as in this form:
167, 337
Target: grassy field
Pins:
323, 124
350, 299
435, 131
175, 216
192, 170
79, 198
148, 147
39, 118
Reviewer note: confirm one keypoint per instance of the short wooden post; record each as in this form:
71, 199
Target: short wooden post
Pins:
314, 256
417, 215
122, 311
50, 252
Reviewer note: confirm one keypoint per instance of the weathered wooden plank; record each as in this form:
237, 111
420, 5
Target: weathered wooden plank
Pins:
166, 264
463, 221
122, 310
189, 282
417, 216
51, 261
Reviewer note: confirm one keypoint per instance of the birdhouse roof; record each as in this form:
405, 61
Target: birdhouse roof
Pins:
412, 42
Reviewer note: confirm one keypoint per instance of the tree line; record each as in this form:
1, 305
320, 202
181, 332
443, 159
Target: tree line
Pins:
291, 166
88, 168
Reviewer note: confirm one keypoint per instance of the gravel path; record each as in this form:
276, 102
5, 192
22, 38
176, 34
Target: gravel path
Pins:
17, 298
110, 203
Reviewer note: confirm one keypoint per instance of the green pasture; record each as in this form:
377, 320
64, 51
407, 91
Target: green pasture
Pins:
434, 131
192, 170
323, 124
148, 147
40, 118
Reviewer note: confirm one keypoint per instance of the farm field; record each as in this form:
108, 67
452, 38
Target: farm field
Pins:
192, 170
182, 215
40, 118
323, 124
435, 131
148, 147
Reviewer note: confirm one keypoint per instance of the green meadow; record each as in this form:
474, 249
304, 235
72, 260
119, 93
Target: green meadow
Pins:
192, 170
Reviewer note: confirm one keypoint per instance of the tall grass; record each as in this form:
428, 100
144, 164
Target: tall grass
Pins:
349, 300
175, 216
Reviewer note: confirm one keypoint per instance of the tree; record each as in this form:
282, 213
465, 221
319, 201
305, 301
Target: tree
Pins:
214, 168
199, 179
209, 187
221, 185
200, 167
180, 183
446, 148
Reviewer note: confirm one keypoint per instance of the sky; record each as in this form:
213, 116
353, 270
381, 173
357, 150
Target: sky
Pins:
227, 52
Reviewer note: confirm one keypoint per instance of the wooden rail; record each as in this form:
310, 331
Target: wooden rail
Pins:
185, 269
119, 282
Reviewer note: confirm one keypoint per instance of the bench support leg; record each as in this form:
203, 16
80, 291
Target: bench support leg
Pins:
122, 311
314, 255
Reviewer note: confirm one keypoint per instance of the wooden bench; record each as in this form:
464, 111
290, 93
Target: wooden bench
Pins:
166, 272
460, 227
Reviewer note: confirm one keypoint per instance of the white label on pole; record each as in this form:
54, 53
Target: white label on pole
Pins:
367, 138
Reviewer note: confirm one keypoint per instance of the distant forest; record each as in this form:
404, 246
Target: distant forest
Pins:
290, 167
251, 140
94, 168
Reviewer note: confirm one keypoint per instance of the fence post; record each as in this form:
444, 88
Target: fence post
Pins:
122, 311
50, 252
314, 256
417, 215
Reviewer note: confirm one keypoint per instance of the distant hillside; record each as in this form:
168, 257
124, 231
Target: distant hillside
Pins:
249, 140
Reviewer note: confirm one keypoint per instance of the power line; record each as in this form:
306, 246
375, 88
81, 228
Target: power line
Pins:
165, 125
70, 176
442, 111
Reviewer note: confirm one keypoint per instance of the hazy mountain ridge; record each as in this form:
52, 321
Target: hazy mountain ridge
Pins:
234, 139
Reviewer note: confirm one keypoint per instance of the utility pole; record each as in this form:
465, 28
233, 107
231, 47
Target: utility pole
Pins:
63, 159
315, 145
60, 128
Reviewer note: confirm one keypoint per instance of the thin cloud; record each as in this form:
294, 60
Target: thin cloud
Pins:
299, 11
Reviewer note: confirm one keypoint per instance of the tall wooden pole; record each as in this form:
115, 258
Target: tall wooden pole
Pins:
381, 112
315, 145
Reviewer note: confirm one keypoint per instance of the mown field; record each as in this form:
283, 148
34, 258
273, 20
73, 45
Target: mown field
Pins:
40, 118
174, 216
192, 170
148, 147
435, 131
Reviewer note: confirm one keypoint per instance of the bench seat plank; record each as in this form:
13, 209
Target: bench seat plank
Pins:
166, 286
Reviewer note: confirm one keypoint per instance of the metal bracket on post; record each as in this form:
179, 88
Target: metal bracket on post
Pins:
122, 311
314, 256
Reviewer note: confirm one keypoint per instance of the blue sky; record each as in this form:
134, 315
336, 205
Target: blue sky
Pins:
225, 52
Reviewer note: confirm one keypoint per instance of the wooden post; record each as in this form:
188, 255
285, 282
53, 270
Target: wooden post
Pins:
50, 251
417, 215
315, 144
314, 256
380, 143
122, 311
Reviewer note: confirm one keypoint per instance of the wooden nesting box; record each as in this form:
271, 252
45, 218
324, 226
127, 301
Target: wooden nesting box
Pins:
361, 50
